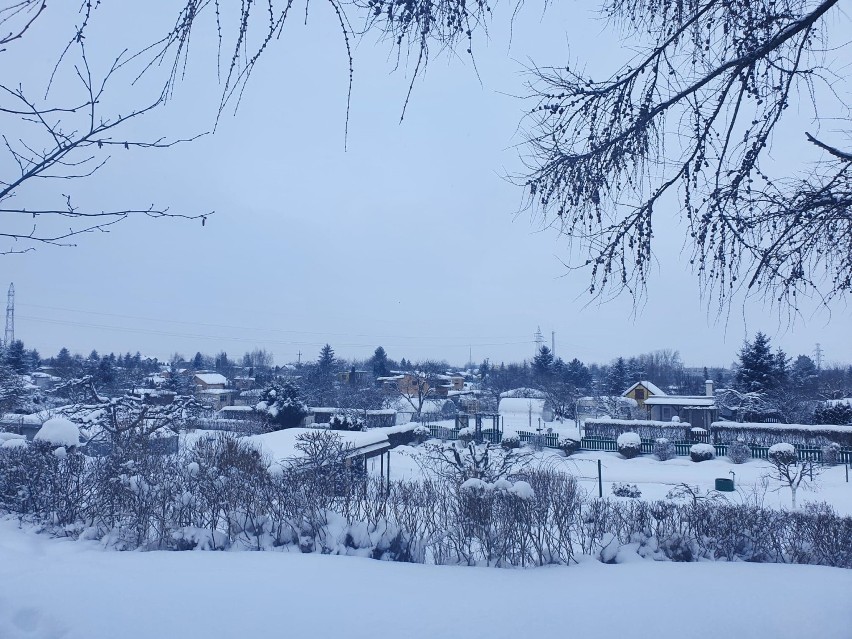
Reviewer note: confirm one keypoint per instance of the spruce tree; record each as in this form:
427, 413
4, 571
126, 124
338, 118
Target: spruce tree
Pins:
543, 362
759, 369
617, 379
379, 363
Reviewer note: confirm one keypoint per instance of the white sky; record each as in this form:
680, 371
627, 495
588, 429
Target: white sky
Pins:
408, 240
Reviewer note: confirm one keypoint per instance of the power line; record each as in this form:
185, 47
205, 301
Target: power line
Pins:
464, 340
151, 331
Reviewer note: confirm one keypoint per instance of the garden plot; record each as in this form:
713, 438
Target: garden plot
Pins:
655, 478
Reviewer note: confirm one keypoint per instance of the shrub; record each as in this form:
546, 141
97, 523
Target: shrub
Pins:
664, 449
739, 452
701, 452
421, 434
831, 454
629, 445
510, 440
346, 423
783, 454
569, 446
626, 490
466, 434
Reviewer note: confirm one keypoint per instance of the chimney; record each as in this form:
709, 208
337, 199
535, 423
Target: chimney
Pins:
708, 388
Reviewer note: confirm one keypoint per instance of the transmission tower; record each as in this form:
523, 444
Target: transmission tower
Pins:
10, 317
818, 356
539, 340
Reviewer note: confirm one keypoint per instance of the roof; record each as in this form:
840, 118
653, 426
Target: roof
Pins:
652, 388
211, 378
281, 444
682, 400
523, 392
215, 391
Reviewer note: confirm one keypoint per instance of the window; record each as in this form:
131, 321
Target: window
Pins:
640, 393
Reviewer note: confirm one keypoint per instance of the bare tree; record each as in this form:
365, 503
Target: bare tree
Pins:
690, 122
791, 471
48, 142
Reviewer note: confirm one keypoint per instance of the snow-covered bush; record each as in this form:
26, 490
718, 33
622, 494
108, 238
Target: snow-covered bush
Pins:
831, 454
346, 422
664, 449
782, 454
629, 445
701, 452
739, 452
421, 433
59, 431
466, 434
510, 440
626, 490
569, 446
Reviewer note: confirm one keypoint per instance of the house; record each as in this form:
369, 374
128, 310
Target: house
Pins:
698, 410
524, 413
640, 391
216, 398
210, 381
44, 380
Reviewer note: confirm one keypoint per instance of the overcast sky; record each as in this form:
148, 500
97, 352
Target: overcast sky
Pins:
409, 239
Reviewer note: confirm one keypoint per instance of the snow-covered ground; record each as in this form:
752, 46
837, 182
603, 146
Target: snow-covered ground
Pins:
52, 588
655, 478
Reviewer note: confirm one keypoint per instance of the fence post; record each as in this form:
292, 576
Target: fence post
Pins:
600, 481
847, 473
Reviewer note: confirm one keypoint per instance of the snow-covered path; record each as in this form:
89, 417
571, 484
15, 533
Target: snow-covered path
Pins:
58, 588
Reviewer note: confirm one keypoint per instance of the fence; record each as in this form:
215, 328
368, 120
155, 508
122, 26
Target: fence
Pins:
551, 440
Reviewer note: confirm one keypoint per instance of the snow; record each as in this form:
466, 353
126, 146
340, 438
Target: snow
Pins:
522, 406
702, 449
59, 431
652, 388
522, 490
281, 444
629, 439
51, 588
211, 379
787, 449
810, 428
14, 443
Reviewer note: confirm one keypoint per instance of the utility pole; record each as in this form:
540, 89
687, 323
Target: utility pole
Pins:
553, 343
10, 317
818, 356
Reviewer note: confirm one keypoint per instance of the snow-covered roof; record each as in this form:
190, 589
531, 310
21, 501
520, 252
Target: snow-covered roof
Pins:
215, 391
211, 378
237, 409
652, 388
523, 392
697, 401
281, 444
21, 420
402, 405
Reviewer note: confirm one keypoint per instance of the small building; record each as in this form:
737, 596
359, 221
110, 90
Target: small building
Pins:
216, 398
210, 381
640, 391
238, 413
699, 410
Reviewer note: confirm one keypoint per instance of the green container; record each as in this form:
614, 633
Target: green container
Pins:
725, 485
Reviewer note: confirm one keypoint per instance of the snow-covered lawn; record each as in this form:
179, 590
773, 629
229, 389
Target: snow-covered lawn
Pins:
655, 478
58, 588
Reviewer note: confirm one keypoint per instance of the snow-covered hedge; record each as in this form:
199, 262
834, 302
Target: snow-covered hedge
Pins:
768, 434
510, 439
629, 445
701, 452
645, 428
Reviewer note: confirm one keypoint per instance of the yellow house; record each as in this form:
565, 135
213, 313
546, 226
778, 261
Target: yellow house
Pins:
640, 391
